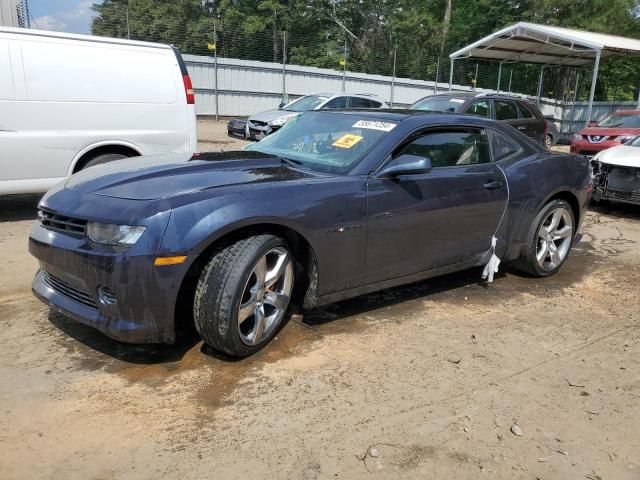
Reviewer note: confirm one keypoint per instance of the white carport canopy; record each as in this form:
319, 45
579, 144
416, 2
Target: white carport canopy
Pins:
547, 45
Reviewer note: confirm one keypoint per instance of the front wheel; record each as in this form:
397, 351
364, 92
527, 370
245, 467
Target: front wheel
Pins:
549, 240
548, 141
243, 294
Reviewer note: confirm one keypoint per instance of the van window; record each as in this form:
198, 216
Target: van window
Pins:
6, 75
82, 72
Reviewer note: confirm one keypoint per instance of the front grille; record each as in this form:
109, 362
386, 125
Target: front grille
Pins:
61, 223
67, 290
597, 138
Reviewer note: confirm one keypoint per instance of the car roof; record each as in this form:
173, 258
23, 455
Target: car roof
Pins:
394, 114
346, 94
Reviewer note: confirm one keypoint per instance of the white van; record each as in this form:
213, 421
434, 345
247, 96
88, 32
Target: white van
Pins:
68, 102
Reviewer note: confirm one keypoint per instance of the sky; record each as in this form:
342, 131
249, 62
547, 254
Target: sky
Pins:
62, 15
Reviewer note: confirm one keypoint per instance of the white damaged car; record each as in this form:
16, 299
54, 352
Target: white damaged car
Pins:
617, 173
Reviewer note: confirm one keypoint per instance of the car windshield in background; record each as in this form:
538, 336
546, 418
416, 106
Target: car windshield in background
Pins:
621, 121
305, 104
325, 142
438, 104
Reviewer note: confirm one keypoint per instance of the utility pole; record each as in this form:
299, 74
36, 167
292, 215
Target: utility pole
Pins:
215, 64
284, 65
393, 77
344, 66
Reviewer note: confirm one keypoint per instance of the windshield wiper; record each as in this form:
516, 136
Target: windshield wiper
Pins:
291, 162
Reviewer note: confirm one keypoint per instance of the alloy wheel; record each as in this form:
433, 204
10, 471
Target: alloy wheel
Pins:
266, 296
554, 239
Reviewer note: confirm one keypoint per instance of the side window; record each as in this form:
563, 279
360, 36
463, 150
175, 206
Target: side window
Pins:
524, 111
481, 107
505, 110
451, 148
338, 102
357, 102
502, 146
375, 104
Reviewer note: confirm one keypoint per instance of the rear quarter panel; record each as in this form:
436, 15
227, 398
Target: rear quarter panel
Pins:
533, 181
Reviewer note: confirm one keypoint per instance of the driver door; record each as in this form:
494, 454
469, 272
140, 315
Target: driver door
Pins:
447, 216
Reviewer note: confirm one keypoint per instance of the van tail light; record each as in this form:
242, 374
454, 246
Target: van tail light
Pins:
546, 127
188, 89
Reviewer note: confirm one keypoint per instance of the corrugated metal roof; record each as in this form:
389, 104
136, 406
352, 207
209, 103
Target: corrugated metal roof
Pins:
532, 43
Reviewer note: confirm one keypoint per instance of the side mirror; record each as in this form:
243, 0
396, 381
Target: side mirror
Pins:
282, 104
592, 123
406, 165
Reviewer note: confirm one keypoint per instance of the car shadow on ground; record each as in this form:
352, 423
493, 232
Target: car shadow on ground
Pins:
19, 207
137, 354
314, 319
397, 295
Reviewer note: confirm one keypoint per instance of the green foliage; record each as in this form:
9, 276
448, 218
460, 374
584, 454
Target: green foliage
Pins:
316, 32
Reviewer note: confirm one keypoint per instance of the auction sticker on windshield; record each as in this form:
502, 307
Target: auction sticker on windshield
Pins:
374, 125
347, 141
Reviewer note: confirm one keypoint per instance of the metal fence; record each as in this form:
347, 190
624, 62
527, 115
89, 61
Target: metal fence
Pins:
244, 87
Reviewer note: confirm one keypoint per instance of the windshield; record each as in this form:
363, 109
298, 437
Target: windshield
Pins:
323, 141
438, 104
305, 104
621, 121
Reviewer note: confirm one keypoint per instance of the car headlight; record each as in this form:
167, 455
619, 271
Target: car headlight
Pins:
626, 138
111, 234
278, 122
577, 137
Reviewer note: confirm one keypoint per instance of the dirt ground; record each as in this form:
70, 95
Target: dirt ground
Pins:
424, 381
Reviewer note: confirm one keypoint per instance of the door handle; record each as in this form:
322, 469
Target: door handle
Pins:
521, 127
493, 185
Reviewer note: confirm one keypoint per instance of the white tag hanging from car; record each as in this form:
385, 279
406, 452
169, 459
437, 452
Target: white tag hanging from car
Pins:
492, 265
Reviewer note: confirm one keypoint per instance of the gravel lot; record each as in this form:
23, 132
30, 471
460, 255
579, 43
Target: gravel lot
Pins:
423, 381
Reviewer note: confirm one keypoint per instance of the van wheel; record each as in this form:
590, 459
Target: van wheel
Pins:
104, 158
243, 294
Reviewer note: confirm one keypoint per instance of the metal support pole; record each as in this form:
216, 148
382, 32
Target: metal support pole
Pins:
499, 77
215, 66
638, 106
451, 74
284, 66
435, 84
393, 77
540, 84
510, 78
573, 105
128, 30
594, 80
475, 79
344, 66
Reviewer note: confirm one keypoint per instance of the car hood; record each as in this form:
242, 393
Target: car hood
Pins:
609, 132
270, 115
623, 156
163, 176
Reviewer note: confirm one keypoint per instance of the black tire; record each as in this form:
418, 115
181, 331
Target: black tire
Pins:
548, 141
528, 262
219, 293
104, 158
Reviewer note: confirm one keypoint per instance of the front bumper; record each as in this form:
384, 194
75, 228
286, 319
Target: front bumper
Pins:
72, 273
617, 184
584, 147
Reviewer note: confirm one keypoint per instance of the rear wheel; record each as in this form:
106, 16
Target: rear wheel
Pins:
104, 158
548, 141
549, 240
243, 294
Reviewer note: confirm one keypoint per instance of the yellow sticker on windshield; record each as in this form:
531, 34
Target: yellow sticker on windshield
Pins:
347, 141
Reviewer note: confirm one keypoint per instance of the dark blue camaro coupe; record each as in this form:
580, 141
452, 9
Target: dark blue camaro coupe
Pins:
333, 205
